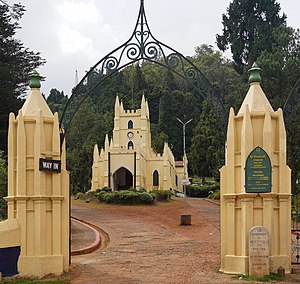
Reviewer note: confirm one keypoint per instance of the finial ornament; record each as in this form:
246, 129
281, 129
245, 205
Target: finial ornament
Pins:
35, 80
254, 74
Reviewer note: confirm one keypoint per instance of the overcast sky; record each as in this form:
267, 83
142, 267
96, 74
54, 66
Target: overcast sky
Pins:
75, 34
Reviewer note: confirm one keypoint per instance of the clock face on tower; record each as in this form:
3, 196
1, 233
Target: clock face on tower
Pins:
130, 135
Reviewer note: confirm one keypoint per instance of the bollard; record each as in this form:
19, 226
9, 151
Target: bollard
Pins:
281, 271
185, 219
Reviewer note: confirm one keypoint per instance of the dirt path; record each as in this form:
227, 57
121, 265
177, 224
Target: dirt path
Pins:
147, 245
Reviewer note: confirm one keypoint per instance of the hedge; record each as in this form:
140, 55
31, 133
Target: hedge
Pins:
201, 191
215, 195
162, 195
79, 195
125, 197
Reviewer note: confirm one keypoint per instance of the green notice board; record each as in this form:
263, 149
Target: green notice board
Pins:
258, 172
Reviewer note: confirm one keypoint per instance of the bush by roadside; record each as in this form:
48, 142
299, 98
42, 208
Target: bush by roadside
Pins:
162, 195
79, 195
215, 195
201, 191
126, 197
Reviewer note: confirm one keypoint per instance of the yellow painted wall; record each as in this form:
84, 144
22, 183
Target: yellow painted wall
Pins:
38, 200
256, 124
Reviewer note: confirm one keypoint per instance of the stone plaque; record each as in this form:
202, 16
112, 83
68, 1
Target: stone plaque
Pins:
259, 251
258, 173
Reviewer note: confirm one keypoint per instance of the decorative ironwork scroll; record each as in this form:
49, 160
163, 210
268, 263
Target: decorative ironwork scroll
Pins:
142, 46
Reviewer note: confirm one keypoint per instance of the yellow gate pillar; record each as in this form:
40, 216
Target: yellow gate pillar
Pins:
255, 183
38, 186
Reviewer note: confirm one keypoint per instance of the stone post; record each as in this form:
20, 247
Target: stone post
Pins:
255, 188
38, 196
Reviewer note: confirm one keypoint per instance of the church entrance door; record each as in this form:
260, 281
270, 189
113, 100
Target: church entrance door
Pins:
122, 179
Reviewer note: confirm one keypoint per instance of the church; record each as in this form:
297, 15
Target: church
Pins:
128, 159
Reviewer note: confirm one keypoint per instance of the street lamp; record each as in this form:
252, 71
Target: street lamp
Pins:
184, 221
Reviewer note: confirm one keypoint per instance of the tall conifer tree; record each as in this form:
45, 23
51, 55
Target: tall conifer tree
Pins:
248, 29
16, 62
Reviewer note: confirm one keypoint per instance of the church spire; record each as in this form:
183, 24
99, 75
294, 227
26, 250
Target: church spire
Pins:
106, 143
143, 107
117, 107
147, 110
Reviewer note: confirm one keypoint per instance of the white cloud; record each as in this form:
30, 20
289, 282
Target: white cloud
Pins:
76, 12
72, 41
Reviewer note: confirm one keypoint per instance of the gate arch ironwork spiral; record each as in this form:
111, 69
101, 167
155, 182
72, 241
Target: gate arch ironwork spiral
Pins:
142, 45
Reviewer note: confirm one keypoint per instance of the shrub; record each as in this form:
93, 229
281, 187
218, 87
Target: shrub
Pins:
215, 195
162, 195
100, 194
105, 188
146, 198
110, 197
132, 189
125, 197
128, 197
79, 195
142, 189
201, 191
90, 194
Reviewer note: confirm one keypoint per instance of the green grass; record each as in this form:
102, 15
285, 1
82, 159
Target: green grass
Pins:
265, 278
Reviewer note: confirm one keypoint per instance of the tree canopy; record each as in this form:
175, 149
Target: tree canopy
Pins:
254, 30
248, 29
16, 63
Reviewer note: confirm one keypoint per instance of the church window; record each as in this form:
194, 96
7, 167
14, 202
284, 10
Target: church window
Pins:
130, 124
130, 145
155, 178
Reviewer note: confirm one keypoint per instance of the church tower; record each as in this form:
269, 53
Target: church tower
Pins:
129, 159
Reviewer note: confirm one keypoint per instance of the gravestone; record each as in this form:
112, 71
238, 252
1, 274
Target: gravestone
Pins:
259, 251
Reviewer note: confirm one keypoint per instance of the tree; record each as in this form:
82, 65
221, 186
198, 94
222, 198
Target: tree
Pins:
248, 29
206, 155
281, 67
221, 74
16, 62
183, 106
79, 152
57, 101
280, 72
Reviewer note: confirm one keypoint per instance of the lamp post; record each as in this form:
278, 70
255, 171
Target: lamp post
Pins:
185, 218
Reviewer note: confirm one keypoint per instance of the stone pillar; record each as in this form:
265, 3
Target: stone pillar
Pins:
266, 203
38, 197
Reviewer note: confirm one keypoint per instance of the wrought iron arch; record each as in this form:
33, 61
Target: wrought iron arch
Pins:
142, 45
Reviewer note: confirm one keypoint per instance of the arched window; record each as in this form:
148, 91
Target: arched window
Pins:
155, 178
130, 145
130, 124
